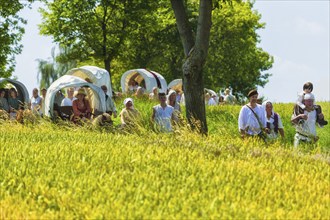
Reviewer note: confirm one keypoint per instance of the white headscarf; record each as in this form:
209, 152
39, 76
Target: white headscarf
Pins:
129, 100
264, 106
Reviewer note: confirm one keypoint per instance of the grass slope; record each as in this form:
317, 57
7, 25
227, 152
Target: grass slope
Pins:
62, 171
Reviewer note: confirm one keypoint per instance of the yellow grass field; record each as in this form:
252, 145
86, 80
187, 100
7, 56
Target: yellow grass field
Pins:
57, 171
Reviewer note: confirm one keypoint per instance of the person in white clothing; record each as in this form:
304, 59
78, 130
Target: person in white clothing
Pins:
274, 122
163, 115
68, 100
305, 121
307, 89
252, 120
229, 98
43, 97
35, 102
154, 94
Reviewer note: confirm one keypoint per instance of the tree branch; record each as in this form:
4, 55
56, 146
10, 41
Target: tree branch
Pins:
184, 28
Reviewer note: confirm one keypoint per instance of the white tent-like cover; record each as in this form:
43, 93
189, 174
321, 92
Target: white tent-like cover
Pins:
98, 76
151, 79
175, 84
23, 94
94, 93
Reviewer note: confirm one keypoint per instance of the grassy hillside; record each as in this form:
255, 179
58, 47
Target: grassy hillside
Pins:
65, 171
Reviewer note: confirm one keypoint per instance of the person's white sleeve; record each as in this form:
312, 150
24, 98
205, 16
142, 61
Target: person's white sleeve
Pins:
241, 124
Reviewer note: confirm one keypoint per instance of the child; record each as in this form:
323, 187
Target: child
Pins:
307, 89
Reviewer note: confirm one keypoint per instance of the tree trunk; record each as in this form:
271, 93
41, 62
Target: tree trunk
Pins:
196, 53
193, 87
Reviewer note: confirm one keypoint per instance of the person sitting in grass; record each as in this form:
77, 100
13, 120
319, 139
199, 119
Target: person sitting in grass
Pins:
154, 94
14, 103
305, 121
252, 121
274, 122
163, 115
172, 101
3, 101
81, 106
129, 115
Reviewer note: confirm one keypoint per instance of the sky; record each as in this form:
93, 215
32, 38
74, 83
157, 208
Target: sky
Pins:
296, 35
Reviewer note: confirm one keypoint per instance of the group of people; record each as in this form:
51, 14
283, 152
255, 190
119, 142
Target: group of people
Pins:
9, 101
261, 121
255, 120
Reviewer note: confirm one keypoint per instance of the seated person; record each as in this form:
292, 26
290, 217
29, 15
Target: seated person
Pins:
129, 115
70, 98
3, 101
14, 103
139, 92
154, 94
81, 106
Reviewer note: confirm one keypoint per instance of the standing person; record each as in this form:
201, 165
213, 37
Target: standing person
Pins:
274, 122
3, 101
305, 121
67, 101
252, 120
307, 89
35, 102
43, 98
81, 106
110, 105
229, 98
162, 114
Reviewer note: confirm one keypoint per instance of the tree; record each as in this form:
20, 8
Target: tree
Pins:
11, 32
234, 53
195, 49
51, 69
93, 28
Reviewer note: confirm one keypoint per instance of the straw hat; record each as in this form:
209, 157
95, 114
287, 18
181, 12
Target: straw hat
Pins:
81, 91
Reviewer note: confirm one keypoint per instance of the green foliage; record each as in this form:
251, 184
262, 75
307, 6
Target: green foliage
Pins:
233, 52
143, 34
11, 32
50, 70
64, 171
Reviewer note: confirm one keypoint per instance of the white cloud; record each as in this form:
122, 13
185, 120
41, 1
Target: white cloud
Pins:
306, 27
288, 79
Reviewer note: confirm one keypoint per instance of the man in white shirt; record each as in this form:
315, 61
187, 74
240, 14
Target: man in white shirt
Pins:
252, 120
36, 102
305, 121
68, 100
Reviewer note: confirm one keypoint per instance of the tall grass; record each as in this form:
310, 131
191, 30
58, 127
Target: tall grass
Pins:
64, 171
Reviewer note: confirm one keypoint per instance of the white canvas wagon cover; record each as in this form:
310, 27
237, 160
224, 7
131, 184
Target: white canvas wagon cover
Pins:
98, 76
175, 84
23, 94
151, 79
94, 93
